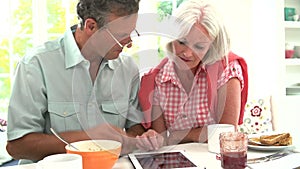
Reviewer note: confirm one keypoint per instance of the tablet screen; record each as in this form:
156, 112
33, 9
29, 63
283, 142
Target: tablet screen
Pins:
162, 160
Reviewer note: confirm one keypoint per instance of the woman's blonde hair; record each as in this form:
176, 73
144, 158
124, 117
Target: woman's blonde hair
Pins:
200, 11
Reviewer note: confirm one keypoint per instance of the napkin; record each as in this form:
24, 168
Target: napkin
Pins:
290, 161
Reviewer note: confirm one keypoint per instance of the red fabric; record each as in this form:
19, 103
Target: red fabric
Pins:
146, 92
214, 71
148, 83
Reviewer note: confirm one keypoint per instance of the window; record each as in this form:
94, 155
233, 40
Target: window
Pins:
27, 23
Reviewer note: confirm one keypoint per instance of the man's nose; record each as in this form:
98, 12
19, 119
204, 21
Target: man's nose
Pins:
127, 42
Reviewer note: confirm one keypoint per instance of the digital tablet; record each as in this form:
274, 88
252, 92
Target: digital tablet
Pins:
162, 160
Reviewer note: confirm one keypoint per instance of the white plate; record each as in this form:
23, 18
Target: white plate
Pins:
267, 148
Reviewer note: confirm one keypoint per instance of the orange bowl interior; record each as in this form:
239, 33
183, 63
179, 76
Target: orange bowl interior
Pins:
97, 153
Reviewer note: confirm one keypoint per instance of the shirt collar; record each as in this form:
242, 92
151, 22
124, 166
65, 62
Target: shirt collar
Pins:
201, 68
108, 63
73, 54
168, 72
113, 64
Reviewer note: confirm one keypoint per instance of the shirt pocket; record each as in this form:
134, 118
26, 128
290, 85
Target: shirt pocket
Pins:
115, 112
63, 116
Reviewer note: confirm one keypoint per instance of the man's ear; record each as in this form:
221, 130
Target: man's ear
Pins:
90, 26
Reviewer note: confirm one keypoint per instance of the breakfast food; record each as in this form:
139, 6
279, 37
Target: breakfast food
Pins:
284, 142
254, 141
282, 139
276, 139
94, 148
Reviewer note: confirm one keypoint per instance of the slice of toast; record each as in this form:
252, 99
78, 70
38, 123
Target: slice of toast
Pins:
273, 139
284, 142
254, 141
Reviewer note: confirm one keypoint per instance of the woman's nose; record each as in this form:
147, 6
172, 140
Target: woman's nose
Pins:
187, 52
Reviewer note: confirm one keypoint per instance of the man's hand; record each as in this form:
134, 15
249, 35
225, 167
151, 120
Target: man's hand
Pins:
150, 140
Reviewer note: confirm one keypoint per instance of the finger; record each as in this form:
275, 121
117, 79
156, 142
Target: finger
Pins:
139, 143
142, 147
156, 139
154, 142
143, 143
161, 140
151, 141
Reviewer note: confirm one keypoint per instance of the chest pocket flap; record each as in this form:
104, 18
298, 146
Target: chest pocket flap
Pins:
63, 115
115, 112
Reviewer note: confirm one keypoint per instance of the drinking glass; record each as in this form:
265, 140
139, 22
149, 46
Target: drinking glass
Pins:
233, 150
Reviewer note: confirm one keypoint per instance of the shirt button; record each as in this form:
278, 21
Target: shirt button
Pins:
65, 113
184, 116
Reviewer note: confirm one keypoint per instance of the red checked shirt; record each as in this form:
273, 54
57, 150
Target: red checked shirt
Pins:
188, 110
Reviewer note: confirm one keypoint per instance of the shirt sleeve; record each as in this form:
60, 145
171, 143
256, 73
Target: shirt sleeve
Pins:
232, 70
28, 101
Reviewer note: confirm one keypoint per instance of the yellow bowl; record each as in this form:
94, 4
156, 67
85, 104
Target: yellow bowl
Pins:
97, 153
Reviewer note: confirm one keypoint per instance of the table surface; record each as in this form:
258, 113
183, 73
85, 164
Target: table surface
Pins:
197, 151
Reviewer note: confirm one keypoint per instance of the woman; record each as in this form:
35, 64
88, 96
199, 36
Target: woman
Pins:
199, 83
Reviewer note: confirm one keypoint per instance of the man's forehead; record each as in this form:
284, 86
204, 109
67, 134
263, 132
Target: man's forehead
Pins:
120, 23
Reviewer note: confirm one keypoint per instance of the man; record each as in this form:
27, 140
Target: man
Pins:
79, 85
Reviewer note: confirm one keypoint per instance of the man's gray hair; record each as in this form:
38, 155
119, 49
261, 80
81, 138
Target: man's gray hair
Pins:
99, 9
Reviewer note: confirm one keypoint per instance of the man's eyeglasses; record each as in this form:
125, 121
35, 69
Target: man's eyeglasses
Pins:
119, 43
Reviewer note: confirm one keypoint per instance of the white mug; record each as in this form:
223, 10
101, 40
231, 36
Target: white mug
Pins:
65, 161
213, 133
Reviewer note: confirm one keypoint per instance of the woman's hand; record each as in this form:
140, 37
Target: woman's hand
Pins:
150, 140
